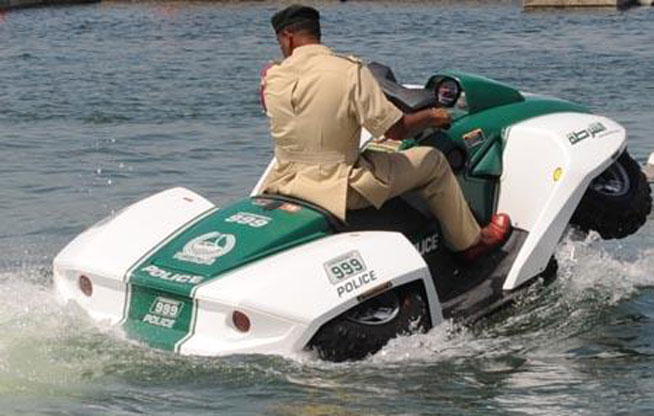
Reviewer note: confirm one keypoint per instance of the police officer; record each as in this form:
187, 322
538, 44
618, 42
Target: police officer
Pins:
318, 101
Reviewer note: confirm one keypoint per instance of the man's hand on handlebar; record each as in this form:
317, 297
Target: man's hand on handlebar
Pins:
411, 123
441, 118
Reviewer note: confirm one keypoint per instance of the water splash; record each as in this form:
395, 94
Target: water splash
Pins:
593, 278
32, 327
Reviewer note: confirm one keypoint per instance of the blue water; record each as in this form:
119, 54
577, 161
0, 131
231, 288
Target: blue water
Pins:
103, 105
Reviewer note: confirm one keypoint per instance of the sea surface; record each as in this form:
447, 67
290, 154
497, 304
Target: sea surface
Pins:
105, 104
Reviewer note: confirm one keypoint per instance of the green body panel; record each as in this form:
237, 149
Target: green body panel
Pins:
160, 309
277, 230
493, 121
481, 93
490, 162
160, 326
481, 195
491, 107
480, 178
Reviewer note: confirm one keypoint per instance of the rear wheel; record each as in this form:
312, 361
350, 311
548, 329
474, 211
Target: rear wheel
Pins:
617, 202
366, 328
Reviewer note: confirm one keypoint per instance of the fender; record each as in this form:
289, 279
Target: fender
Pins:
289, 296
572, 149
108, 250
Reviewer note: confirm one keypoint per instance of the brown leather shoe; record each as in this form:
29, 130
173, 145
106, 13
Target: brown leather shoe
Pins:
492, 236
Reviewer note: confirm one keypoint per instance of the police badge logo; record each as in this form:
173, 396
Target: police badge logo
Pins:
206, 248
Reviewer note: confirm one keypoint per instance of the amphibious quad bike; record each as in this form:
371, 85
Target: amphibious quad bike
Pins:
273, 274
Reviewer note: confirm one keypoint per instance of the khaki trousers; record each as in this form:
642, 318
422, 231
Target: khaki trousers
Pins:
426, 170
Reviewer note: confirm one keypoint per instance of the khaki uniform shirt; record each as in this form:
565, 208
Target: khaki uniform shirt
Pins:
317, 102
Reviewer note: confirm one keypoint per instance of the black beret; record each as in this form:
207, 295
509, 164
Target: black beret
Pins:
293, 14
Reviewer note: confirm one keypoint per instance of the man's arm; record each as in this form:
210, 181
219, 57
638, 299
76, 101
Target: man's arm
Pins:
412, 123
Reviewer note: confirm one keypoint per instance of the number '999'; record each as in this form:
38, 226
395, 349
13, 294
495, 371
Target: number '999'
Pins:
344, 266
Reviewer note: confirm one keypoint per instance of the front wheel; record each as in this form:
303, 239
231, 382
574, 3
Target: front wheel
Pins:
366, 328
617, 202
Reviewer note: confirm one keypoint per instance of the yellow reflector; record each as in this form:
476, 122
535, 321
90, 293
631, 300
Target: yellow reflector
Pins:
558, 172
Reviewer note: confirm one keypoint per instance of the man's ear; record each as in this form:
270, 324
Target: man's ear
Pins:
287, 34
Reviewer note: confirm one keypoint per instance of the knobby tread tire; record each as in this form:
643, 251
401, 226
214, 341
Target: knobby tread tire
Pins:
616, 216
342, 339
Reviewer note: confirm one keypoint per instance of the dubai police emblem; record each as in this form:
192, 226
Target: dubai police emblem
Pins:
206, 248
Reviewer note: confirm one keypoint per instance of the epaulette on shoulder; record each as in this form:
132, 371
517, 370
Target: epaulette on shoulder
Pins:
350, 58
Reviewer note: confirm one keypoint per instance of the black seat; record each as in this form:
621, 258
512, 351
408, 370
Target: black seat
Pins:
409, 100
395, 215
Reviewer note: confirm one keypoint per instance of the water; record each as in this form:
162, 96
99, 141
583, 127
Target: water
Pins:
105, 104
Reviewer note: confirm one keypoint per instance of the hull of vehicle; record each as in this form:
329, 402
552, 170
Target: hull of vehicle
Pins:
270, 262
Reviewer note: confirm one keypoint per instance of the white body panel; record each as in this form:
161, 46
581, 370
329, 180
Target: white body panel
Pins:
106, 251
288, 296
535, 200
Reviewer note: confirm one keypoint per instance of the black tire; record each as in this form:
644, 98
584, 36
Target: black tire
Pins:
617, 202
356, 334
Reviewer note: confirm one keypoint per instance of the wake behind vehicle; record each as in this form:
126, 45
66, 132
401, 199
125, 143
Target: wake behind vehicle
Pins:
276, 275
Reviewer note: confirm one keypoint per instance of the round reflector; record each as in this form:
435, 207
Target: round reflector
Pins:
85, 285
241, 321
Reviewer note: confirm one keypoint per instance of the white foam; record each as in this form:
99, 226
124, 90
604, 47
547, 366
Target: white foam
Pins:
590, 264
592, 275
45, 347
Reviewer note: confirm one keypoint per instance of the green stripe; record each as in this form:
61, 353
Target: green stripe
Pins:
174, 234
178, 344
139, 299
165, 279
171, 270
153, 319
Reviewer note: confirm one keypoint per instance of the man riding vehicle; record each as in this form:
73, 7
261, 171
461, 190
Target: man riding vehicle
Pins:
318, 102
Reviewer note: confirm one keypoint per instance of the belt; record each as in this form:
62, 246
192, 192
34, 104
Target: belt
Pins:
327, 157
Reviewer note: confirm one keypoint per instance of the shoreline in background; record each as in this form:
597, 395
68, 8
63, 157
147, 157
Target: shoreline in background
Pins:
620, 4
7, 5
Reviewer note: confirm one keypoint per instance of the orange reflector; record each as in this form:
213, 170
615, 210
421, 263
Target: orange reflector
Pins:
85, 285
241, 321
